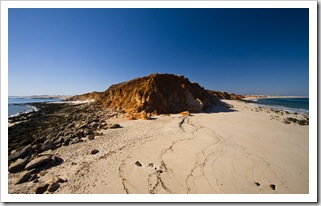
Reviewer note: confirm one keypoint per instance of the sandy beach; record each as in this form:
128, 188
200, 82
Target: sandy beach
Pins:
239, 149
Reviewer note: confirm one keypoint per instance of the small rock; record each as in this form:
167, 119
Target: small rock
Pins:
86, 131
33, 177
91, 137
151, 164
145, 115
99, 134
43, 173
94, 151
45, 153
36, 147
273, 187
53, 186
61, 180
76, 140
59, 140
132, 117
42, 138
41, 189
257, 184
185, 113
138, 164
114, 126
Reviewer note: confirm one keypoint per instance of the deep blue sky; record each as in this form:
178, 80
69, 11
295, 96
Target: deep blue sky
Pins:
75, 51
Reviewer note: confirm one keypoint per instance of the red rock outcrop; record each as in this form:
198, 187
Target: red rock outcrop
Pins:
158, 93
224, 95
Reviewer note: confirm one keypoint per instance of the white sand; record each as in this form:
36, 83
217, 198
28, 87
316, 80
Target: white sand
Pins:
223, 152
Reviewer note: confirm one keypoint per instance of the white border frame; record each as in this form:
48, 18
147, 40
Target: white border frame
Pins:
311, 197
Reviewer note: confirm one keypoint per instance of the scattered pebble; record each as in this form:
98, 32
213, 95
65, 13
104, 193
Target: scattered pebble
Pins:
94, 151
138, 164
273, 187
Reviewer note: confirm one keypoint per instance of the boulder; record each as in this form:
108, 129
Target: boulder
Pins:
49, 144
26, 151
18, 165
24, 176
38, 161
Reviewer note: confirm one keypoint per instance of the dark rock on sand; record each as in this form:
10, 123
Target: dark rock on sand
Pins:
76, 140
91, 137
296, 121
26, 151
94, 151
53, 186
47, 145
24, 176
18, 165
42, 188
138, 164
38, 161
273, 187
114, 126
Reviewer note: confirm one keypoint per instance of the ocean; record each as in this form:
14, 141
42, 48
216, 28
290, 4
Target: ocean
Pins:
18, 105
289, 104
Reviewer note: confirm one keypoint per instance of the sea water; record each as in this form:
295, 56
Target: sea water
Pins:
18, 105
289, 104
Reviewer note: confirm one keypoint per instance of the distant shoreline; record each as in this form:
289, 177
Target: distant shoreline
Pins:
42, 97
249, 97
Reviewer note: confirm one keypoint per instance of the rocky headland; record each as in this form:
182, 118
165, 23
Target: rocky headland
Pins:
157, 93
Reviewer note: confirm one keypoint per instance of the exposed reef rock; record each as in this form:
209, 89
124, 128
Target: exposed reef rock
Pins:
158, 93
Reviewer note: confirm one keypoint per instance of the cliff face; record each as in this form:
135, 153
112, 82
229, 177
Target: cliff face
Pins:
224, 95
161, 93
87, 96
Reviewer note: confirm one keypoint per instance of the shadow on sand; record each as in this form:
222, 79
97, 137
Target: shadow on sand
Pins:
220, 106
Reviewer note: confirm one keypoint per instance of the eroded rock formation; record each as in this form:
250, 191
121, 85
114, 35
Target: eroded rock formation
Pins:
161, 93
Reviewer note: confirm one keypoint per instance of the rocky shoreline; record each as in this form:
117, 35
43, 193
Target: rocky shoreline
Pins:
34, 135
